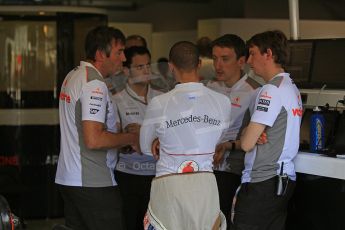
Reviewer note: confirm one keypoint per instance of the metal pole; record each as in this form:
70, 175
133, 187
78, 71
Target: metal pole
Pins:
294, 19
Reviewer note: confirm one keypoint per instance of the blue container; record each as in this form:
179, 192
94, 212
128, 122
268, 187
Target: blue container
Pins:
317, 131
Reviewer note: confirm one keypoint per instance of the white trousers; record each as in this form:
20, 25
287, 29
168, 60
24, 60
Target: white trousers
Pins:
185, 201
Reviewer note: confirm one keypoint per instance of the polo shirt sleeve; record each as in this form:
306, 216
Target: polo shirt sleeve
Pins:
267, 106
148, 130
94, 101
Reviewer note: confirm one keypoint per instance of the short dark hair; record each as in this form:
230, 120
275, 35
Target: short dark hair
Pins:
231, 41
162, 59
132, 51
204, 47
184, 55
137, 37
162, 65
274, 40
101, 38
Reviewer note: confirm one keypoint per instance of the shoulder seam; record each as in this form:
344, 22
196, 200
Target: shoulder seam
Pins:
254, 84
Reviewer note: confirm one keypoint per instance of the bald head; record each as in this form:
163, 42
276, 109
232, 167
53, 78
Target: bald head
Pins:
184, 56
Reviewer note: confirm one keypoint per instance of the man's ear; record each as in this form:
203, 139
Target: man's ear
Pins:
241, 61
269, 54
174, 71
171, 67
100, 55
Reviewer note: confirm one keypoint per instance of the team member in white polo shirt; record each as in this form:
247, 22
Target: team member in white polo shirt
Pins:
228, 52
188, 121
135, 171
263, 197
88, 135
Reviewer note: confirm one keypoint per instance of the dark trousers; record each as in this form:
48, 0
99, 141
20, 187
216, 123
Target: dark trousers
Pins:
92, 208
227, 185
259, 208
135, 192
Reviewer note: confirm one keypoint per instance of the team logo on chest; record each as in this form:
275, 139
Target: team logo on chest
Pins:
236, 102
188, 167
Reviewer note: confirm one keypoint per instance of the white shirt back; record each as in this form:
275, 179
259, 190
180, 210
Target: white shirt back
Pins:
189, 122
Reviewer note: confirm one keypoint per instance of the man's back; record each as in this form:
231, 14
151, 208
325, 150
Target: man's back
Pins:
189, 122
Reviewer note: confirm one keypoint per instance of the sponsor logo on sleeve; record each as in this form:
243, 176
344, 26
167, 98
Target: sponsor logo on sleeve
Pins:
65, 97
93, 111
96, 105
264, 102
297, 112
97, 91
265, 95
261, 108
96, 98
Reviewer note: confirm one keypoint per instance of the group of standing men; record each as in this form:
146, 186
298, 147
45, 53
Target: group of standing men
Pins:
245, 133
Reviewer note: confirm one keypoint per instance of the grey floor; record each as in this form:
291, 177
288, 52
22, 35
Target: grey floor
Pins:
44, 224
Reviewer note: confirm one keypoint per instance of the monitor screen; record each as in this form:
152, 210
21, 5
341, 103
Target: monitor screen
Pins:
328, 64
298, 64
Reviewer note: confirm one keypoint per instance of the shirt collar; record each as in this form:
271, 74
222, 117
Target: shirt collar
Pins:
284, 74
84, 64
135, 95
189, 85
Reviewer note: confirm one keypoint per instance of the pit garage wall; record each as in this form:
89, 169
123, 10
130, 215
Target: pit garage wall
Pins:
38, 53
245, 28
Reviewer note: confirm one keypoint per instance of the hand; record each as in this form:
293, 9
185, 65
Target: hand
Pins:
126, 149
218, 156
133, 128
136, 143
155, 148
262, 139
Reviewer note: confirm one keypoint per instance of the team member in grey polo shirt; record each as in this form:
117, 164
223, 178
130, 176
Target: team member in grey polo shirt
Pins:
277, 113
228, 52
88, 136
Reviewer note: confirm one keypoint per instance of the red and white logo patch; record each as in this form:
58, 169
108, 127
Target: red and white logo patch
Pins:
236, 102
265, 95
188, 167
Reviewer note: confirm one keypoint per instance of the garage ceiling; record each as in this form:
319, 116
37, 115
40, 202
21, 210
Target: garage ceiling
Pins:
108, 4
